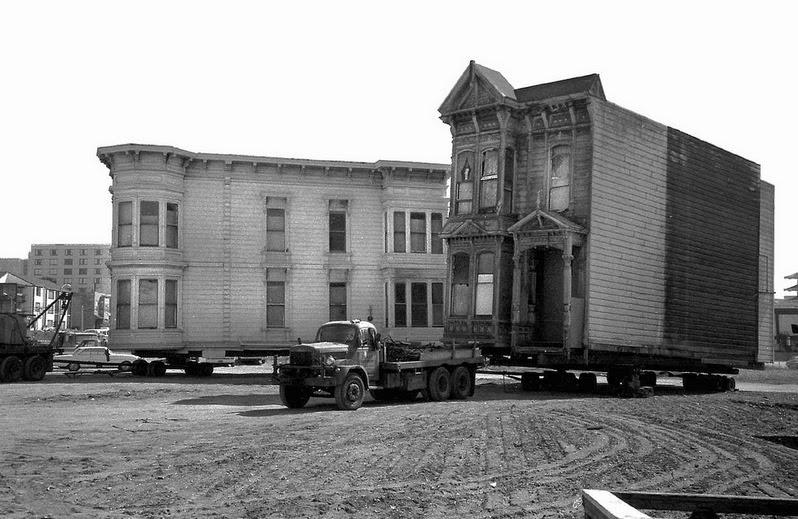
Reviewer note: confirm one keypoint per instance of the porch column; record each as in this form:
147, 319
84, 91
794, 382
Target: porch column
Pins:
567, 258
516, 286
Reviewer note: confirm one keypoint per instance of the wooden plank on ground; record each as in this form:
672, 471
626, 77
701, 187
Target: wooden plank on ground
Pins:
602, 504
716, 503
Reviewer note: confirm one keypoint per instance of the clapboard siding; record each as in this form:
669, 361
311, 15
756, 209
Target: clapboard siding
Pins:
766, 251
222, 263
712, 249
627, 229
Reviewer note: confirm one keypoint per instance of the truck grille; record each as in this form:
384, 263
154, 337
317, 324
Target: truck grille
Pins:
301, 358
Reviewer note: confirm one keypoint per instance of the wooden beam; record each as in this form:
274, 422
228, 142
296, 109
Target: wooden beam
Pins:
716, 503
602, 504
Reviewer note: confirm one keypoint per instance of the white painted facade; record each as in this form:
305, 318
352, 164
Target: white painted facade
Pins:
212, 268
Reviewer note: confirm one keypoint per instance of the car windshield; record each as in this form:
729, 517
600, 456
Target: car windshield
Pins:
336, 333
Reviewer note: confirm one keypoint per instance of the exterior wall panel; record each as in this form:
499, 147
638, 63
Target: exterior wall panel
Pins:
626, 292
712, 250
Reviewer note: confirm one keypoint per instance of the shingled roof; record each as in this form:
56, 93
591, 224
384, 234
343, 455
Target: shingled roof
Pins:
590, 84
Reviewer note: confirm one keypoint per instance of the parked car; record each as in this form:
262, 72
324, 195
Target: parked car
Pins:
793, 362
90, 354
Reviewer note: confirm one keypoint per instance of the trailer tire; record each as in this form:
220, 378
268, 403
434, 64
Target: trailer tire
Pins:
648, 378
439, 384
35, 368
124, 367
530, 381
461, 383
205, 369
156, 369
349, 394
139, 368
294, 397
11, 369
73, 366
587, 383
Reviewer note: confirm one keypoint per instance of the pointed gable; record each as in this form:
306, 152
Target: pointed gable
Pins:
475, 83
540, 220
466, 228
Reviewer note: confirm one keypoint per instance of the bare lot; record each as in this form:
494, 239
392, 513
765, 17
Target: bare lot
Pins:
102, 446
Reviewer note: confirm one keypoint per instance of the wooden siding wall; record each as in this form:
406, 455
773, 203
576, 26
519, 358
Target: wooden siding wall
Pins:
766, 289
712, 250
626, 248
224, 285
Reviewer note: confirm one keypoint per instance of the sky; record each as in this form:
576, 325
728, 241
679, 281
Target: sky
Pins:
360, 81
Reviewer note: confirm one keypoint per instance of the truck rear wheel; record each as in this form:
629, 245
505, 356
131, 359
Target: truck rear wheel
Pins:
10, 369
439, 384
349, 395
461, 383
294, 397
35, 368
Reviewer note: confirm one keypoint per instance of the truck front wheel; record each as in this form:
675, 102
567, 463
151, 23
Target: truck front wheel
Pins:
439, 384
294, 397
349, 395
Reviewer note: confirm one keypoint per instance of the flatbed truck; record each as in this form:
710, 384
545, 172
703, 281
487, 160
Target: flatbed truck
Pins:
349, 358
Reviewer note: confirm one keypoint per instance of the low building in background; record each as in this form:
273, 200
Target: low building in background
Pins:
228, 252
30, 297
786, 312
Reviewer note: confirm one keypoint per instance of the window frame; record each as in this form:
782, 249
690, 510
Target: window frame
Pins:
124, 228
336, 316
147, 225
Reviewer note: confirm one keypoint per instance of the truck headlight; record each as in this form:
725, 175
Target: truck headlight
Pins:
329, 361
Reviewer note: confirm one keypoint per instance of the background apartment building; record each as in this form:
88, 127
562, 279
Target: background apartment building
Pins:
240, 251
82, 265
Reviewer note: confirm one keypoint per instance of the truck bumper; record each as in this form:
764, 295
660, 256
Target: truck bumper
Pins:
307, 376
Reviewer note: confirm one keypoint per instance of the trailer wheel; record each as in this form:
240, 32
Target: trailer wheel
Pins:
73, 366
648, 378
294, 397
461, 383
11, 369
139, 368
205, 369
439, 385
349, 395
587, 383
690, 381
530, 381
156, 369
35, 368
124, 367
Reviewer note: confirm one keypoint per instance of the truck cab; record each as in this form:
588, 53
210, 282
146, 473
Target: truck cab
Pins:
344, 354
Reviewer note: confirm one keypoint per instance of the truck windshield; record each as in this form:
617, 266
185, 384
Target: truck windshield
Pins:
344, 333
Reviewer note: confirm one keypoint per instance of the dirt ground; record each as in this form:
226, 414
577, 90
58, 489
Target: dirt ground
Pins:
117, 446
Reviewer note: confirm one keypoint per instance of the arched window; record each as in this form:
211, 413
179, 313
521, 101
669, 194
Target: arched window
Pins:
560, 187
484, 304
489, 178
464, 187
461, 291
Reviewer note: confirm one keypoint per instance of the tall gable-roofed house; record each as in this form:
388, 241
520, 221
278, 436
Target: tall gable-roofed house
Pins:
578, 229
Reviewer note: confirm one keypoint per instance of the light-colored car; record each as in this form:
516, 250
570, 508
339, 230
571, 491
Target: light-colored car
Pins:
793, 362
91, 354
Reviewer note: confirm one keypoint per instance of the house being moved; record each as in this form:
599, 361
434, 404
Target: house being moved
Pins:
581, 232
